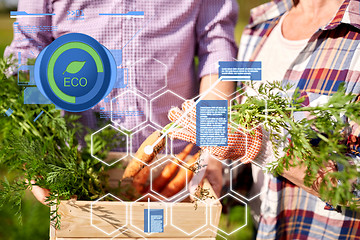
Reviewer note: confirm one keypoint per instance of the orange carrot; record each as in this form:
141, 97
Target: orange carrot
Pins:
140, 180
170, 169
135, 165
179, 181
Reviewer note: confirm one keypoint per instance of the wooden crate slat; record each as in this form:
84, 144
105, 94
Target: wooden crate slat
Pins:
76, 223
75, 218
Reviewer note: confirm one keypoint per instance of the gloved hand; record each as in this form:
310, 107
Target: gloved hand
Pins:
243, 145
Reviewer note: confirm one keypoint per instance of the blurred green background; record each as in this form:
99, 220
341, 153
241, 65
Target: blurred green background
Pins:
35, 222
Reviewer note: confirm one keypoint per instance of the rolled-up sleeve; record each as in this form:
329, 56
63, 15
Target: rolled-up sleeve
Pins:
215, 34
30, 42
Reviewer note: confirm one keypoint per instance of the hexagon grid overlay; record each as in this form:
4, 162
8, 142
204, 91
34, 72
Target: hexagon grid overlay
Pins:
241, 134
152, 98
150, 202
199, 219
236, 99
208, 231
154, 172
100, 219
138, 75
122, 109
241, 211
161, 104
122, 143
138, 136
250, 196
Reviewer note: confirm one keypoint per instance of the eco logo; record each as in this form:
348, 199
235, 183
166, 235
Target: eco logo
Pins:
75, 72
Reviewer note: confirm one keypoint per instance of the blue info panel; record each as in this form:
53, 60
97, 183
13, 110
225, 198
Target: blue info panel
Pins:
212, 123
240, 71
154, 221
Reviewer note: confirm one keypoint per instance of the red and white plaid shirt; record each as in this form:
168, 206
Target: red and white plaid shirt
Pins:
331, 56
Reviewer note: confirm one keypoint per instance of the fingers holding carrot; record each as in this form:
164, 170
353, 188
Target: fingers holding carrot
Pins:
135, 166
171, 180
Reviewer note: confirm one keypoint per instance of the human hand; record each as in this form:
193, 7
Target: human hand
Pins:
243, 145
210, 169
39, 193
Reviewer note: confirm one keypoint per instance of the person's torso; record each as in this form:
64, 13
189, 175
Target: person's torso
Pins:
331, 57
157, 52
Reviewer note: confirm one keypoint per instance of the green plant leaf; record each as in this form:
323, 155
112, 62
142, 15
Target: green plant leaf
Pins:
74, 67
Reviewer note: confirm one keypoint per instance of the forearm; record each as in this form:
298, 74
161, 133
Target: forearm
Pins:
226, 88
297, 174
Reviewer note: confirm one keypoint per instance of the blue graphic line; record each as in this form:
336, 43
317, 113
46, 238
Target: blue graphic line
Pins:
131, 13
23, 13
138, 32
38, 116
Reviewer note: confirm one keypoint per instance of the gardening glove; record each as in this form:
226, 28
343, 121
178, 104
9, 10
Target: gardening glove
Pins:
243, 145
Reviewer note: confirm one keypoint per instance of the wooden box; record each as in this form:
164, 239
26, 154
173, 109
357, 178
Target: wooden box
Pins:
101, 220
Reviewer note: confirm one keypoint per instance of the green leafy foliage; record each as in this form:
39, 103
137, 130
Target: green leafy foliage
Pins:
48, 150
325, 122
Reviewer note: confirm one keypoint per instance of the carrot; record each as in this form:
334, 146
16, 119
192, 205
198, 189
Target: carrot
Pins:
170, 169
179, 181
135, 165
140, 180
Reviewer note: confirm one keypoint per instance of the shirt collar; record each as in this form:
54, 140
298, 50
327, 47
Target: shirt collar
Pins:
348, 13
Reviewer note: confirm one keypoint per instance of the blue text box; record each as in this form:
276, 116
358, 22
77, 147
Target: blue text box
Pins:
240, 71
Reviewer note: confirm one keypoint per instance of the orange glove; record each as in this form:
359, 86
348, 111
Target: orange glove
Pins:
242, 145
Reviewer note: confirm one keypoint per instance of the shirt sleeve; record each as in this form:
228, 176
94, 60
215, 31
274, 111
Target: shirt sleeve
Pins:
27, 41
215, 34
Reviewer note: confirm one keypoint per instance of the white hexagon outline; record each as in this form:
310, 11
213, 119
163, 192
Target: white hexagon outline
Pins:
208, 229
165, 218
200, 97
171, 144
184, 190
234, 161
158, 158
182, 198
131, 232
238, 194
246, 217
230, 95
91, 215
127, 145
167, 91
215, 93
258, 125
146, 109
172, 154
166, 70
